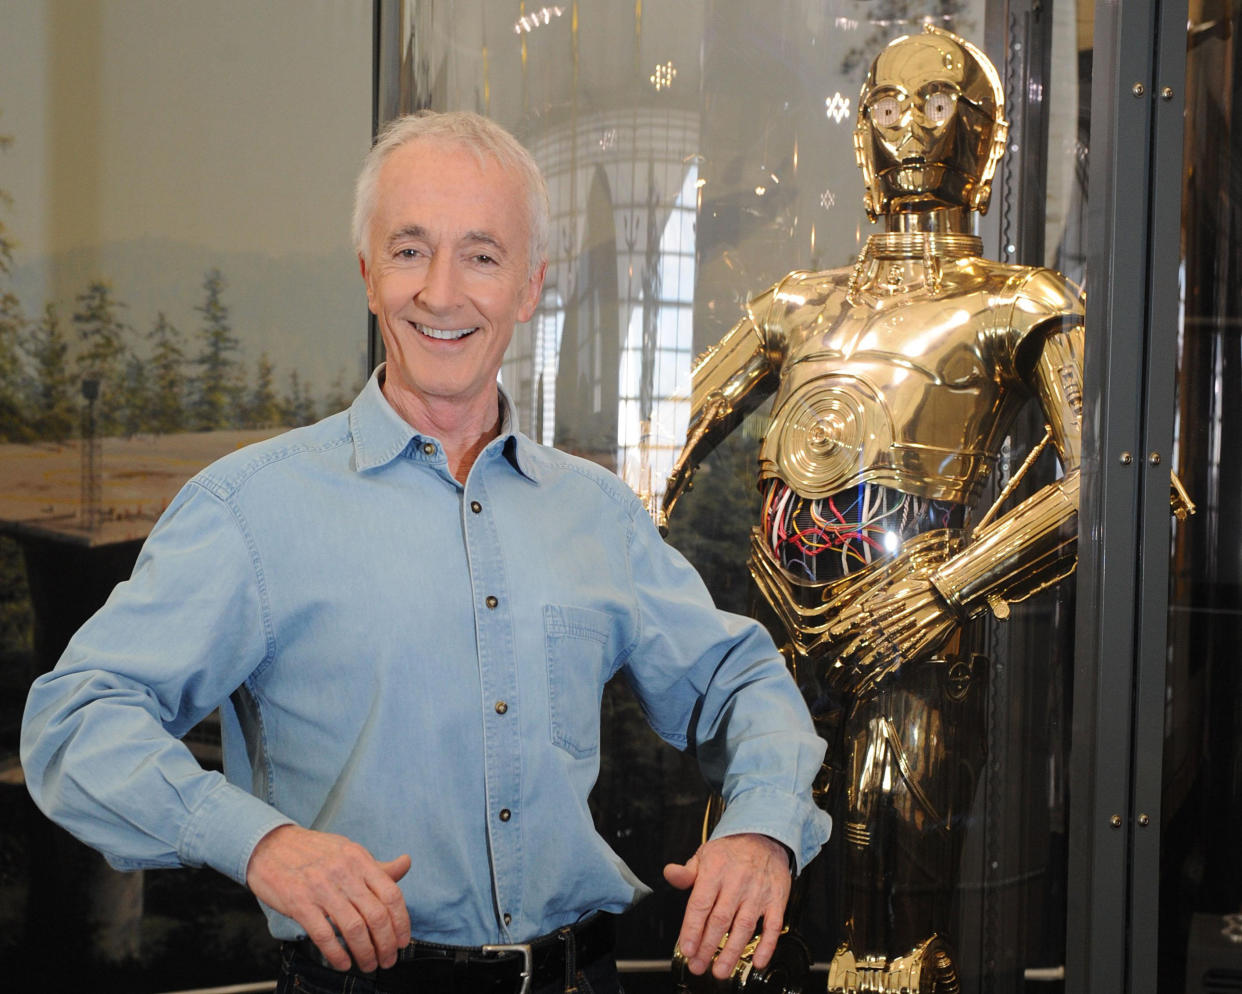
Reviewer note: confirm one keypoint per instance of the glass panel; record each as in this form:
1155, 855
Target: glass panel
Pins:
1201, 861
696, 153
176, 279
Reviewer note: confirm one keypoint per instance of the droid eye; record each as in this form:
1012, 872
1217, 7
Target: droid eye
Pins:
886, 111
938, 107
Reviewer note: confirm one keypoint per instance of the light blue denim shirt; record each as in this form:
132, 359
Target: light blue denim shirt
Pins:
412, 663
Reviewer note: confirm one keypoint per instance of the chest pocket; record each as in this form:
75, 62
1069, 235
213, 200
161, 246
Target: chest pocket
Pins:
579, 664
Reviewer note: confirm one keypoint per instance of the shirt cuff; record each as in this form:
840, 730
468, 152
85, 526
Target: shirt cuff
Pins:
793, 821
223, 831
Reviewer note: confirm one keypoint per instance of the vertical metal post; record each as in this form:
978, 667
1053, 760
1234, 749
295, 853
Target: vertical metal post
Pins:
1166, 98
386, 69
1122, 575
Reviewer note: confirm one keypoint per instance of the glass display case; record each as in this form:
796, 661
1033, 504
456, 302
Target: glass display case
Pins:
696, 153
1200, 868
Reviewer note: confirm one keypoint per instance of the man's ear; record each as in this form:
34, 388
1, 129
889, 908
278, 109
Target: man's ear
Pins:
366, 279
533, 289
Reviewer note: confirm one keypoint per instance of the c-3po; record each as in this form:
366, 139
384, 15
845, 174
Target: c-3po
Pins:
895, 382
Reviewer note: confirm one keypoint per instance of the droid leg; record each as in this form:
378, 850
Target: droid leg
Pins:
926, 969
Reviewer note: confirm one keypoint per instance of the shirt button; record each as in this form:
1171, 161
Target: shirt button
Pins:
429, 448
508, 918
501, 707
491, 601
505, 814
475, 506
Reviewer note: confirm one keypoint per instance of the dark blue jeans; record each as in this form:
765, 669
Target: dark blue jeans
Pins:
300, 974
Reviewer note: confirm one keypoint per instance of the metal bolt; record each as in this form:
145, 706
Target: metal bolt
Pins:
1138, 89
1166, 93
1115, 821
1126, 459
1154, 458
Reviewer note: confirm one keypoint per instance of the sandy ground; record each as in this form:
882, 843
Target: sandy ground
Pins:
41, 484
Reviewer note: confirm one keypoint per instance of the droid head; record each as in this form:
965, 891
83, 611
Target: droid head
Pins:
930, 126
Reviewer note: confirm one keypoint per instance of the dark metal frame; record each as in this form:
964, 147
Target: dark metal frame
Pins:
385, 100
1133, 224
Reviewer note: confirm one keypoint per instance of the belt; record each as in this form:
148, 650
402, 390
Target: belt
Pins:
509, 967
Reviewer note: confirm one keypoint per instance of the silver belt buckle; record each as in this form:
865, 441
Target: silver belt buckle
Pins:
515, 947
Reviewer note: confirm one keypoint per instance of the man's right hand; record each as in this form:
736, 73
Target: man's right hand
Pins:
329, 884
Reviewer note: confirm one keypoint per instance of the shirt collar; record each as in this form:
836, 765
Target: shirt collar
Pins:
380, 434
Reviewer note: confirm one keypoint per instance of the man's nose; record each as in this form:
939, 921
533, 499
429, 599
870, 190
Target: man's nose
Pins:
441, 289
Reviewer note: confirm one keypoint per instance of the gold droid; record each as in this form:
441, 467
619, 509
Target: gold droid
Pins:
895, 381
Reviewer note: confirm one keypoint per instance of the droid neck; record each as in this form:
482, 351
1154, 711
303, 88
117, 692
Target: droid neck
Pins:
942, 234
911, 256
947, 220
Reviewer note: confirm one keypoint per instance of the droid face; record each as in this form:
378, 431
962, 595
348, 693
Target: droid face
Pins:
930, 128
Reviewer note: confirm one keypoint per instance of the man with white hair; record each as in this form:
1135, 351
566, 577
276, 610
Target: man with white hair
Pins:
407, 614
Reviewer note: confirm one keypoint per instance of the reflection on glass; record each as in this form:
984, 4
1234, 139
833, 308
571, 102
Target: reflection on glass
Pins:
1201, 860
696, 152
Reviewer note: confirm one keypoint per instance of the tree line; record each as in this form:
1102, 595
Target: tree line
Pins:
59, 371
135, 381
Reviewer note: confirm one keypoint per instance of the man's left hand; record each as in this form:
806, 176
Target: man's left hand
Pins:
734, 881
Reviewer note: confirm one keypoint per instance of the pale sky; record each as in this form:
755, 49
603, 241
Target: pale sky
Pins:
233, 124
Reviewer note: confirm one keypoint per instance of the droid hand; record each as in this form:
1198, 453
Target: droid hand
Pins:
902, 623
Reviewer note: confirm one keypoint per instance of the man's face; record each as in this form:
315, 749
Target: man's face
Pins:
448, 274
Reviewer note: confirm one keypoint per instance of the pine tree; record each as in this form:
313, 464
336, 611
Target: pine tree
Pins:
339, 395
299, 407
14, 426
52, 402
103, 355
16, 618
166, 407
218, 391
6, 242
135, 397
264, 409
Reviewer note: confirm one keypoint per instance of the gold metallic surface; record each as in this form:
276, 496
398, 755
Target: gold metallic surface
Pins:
925, 969
931, 125
809, 612
896, 380
786, 973
909, 385
1179, 500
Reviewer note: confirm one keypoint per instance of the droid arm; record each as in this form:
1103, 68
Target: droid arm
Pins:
729, 381
1028, 548
1035, 544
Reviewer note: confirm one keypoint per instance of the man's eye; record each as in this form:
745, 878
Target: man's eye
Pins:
886, 111
408, 253
486, 260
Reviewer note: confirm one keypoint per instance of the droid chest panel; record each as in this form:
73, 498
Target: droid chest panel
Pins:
904, 391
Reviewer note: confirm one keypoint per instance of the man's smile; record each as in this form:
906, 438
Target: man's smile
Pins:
445, 334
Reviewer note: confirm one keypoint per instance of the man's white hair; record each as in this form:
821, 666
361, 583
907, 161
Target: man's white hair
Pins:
482, 136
